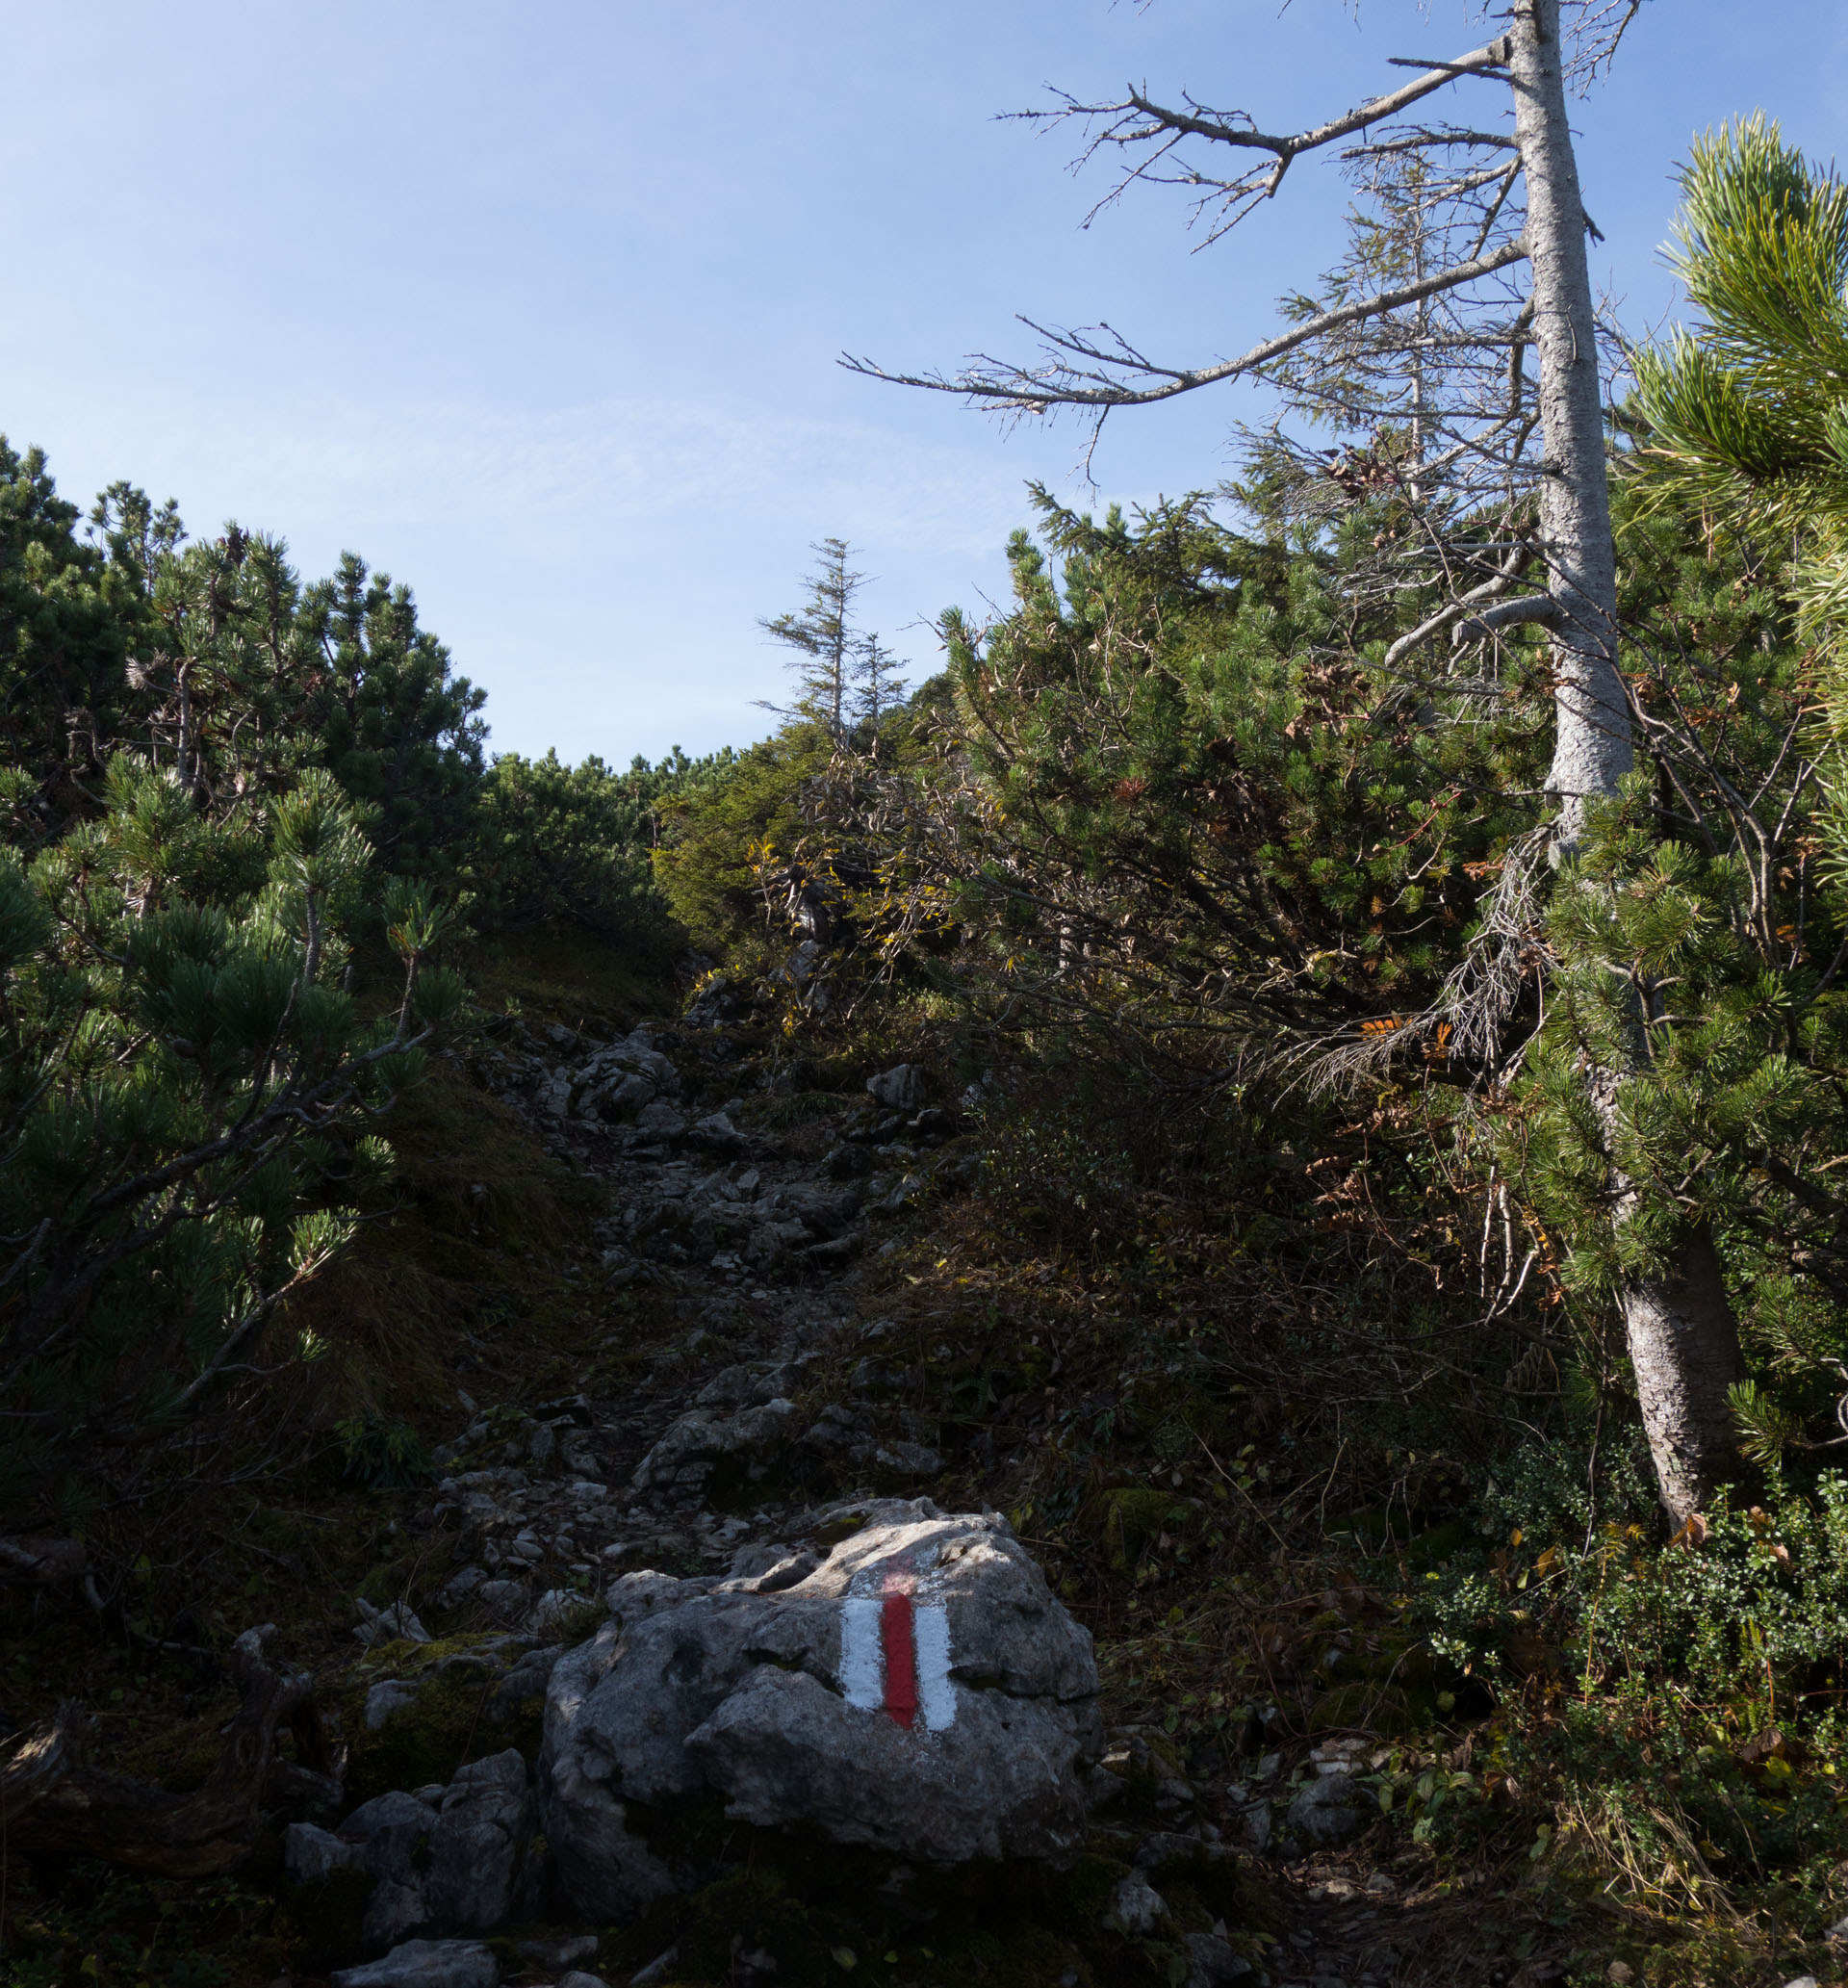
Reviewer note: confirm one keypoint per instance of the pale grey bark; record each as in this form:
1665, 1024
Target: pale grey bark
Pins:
1684, 1350
1683, 1339
1591, 741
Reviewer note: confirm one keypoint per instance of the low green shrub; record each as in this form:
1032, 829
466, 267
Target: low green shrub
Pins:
1679, 1707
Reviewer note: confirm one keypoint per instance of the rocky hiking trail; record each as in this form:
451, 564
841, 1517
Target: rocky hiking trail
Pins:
720, 1666
775, 1404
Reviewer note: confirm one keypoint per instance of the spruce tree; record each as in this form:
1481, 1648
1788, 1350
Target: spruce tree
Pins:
877, 688
825, 642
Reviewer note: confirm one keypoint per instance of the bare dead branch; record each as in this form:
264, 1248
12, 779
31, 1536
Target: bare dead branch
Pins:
1599, 27
1196, 121
1533, 608
1513, 565
1420, 140
1016, 390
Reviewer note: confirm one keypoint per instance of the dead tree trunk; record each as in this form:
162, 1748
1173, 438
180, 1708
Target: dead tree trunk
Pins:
1682, 1338
1591, 749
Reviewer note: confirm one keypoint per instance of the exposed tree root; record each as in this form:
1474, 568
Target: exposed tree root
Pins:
51, 1804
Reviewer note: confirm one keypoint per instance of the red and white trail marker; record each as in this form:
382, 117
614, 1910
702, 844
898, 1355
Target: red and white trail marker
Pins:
895, 1652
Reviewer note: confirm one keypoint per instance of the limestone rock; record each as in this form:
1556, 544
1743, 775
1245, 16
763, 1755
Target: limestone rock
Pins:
445, 1860
426, 1964
1135, 1907
659, 1120
775, 1692
703, 1437
396, 1624
392, 1694
717, 1134
479, 1847
1330, 1809
1212, 1960
898, 1089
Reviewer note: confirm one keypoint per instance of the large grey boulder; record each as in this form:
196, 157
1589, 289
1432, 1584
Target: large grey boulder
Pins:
450, 1864
623, 1080
920, 1690
479, 1847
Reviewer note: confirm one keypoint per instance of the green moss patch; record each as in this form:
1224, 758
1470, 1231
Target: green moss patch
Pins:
449, 1724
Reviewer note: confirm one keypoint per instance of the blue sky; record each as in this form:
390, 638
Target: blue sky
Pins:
537, 306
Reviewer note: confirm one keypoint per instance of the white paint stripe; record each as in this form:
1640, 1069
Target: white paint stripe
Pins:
936, 1693
863, 1666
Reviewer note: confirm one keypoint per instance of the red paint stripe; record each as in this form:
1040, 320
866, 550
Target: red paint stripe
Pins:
901, 1659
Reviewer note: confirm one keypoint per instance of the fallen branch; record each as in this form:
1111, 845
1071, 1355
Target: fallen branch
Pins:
37, 1763
51, 1803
